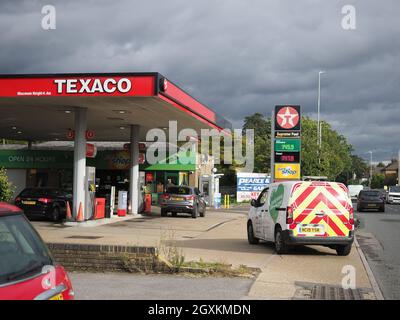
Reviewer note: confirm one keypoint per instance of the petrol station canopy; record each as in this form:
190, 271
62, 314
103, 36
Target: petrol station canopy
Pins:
101, 107
40, 106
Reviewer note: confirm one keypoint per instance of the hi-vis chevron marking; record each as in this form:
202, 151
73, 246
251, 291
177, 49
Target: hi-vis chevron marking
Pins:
322, 204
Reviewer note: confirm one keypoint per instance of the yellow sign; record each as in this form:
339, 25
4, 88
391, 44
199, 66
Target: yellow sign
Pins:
287, 171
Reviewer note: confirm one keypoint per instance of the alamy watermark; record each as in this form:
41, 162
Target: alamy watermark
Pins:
232, 147
349, 280
349, 19
49, 18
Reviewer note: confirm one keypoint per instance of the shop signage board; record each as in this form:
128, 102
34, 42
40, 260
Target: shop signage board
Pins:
287, 171
286, 143
249, 185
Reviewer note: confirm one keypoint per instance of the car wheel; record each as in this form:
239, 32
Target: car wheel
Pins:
343, 250
280, 244
195, 212
163, 212
250, 234
203, 213
55, 214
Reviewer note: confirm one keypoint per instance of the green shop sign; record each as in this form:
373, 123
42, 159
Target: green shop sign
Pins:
287, 145
35, 159
106, 160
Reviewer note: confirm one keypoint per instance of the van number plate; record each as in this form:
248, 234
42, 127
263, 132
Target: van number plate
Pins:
311, 229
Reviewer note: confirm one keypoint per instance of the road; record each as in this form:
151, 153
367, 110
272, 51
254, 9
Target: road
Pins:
379, 238
121, 286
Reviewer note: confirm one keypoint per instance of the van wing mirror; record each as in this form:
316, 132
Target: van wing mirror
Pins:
253, 203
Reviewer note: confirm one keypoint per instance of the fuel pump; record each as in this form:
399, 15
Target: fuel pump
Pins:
90, 192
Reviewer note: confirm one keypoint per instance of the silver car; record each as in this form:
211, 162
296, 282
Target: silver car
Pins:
183, 199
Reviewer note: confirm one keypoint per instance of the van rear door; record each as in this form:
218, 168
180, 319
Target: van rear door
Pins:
320, 209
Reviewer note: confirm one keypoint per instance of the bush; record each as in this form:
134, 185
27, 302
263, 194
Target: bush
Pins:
6, 187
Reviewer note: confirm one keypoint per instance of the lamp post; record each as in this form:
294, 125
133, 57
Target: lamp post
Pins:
318, 116
370, 168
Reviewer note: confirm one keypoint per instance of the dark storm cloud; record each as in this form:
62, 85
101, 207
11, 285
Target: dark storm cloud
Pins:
238, 57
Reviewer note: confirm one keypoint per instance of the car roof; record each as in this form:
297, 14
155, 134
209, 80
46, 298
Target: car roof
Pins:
7, 209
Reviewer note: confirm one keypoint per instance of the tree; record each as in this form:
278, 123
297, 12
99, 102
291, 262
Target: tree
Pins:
262, 141
335, 153
378, 181
6, 187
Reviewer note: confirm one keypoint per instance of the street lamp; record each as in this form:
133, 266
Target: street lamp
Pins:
319, 108
370, 168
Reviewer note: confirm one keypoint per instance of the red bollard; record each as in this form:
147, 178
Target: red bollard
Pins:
147, 203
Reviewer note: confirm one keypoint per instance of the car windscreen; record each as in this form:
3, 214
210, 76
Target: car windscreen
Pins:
179, 190
394, 189
37, 192
370, 193
22, 253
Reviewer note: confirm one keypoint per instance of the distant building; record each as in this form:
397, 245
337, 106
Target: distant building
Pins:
391, 172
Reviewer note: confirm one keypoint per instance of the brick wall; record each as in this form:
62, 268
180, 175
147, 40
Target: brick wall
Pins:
101, 258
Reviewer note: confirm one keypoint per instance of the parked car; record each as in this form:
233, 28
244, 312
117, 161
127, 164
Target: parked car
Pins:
371, 199
183, 199
354, 190
27, 270
50, 203
393, 195
303, 213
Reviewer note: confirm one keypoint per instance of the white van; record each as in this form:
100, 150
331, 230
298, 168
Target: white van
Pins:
354, 190
393, 195
303, 213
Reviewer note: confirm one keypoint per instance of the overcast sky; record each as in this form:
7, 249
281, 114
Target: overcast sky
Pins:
238, 57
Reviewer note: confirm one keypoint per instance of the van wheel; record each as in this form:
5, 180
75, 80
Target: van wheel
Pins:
55, 214
343, 250
250, 234
163, 212
280, 244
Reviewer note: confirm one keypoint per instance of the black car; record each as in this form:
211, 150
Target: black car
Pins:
183, 199
370, 199
50, 203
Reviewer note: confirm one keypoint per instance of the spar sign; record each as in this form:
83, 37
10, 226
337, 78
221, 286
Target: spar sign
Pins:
286, 143
250, 185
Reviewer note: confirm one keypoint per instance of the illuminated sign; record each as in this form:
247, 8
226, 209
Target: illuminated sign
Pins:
287, 171
287, 157
291, 145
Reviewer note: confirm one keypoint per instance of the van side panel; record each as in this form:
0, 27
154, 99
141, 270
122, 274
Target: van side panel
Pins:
320, 209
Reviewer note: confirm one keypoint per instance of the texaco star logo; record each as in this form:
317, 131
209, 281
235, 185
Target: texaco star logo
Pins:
287, 117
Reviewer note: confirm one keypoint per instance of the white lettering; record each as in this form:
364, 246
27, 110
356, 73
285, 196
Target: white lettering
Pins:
109, 85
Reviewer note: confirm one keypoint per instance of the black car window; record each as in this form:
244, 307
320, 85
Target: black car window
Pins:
179, 190
22, 252
370, 193
38, 192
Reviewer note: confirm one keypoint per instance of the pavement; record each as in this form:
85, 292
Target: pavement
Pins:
113, 286
379, 238
221, 237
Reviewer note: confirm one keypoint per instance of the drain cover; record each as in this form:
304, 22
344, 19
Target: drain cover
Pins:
84, 237
318, 291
